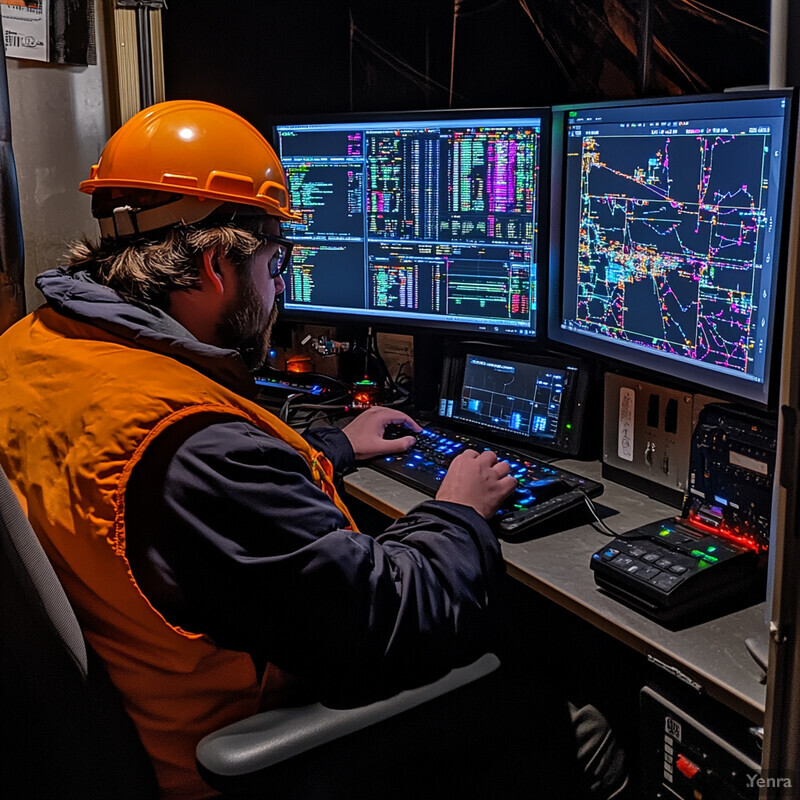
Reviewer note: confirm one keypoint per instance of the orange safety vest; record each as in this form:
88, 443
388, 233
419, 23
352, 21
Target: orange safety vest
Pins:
78, 408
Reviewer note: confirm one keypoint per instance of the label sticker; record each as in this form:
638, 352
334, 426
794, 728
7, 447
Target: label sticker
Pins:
627, 403
673, 728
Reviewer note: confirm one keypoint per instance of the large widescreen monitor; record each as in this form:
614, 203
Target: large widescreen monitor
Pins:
417, 219
667, 235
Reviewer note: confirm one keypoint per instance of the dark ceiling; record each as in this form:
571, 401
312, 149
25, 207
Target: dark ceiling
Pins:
304, 56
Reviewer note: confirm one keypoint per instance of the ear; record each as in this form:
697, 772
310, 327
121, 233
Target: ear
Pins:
212, 270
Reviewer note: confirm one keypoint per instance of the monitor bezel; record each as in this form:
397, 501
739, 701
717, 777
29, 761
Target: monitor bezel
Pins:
570, 439
389, 323
651, 365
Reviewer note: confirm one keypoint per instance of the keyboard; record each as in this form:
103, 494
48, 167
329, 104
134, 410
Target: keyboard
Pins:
543, 490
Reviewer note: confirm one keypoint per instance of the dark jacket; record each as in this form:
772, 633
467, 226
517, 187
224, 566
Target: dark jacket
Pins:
228, 535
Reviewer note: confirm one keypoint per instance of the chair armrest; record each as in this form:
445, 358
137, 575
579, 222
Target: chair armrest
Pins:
266, 739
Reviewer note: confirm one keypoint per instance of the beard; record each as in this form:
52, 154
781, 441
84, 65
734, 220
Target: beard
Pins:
247, 326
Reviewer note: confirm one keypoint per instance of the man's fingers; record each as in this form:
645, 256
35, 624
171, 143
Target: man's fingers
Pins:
502, 468
489, 456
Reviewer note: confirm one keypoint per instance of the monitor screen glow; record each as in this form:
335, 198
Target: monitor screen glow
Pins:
666, 242
417, 219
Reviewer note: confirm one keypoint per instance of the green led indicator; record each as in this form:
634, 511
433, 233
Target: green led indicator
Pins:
711, 558
569, 426
698, 553
710, 548
573, 114
703, 564
665, 532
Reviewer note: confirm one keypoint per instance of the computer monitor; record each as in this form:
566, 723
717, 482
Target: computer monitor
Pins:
667, 236
417, 220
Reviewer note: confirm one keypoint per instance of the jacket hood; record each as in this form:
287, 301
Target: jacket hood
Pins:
77, 296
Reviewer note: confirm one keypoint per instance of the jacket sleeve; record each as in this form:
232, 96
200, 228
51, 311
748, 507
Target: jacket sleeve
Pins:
242, 546
335, 445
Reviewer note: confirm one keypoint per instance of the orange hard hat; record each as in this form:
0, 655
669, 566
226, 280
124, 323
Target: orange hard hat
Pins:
203, 153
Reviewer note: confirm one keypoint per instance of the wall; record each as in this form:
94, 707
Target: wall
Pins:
59, 123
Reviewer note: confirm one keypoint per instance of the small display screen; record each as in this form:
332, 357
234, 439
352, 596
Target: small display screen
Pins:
510, 396
540, 404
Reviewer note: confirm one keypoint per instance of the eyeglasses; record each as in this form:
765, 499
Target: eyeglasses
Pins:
280, 261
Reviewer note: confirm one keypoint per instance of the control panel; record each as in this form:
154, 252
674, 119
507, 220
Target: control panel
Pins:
688, 756
716, 551
671, 571
732, 470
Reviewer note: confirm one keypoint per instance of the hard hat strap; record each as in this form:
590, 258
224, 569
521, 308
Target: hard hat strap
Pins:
129, 221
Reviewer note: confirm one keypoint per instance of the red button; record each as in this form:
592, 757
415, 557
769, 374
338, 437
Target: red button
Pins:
688, 768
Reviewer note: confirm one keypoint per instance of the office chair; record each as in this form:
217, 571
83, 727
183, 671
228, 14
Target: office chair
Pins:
66, 734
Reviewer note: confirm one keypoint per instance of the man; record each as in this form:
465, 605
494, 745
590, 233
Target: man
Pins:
201, 542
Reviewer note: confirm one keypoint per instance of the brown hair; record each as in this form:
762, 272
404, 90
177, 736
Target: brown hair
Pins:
147, 270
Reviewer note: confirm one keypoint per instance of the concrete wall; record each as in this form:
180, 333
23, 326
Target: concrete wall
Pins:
59, 124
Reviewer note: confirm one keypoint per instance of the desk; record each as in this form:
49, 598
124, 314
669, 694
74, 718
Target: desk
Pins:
557, 566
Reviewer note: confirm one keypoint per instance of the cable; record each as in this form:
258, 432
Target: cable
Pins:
303, 377
399, 374
283, 414
604, 529
375, 353
323, 405
472, 12
546, 41
373, 357
393, 61
320, 407
321, 414
710, 12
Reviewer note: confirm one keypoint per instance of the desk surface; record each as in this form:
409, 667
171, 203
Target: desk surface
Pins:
712, 654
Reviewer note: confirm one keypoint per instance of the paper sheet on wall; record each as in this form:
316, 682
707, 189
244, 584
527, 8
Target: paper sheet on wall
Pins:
26, 28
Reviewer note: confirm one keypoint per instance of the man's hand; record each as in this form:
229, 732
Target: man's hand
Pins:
366, 431
478, 480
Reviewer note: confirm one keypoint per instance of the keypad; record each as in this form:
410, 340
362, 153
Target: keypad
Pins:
666, 557
543, 490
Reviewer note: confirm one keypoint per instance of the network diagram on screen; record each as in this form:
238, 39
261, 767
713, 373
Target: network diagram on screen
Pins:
417, 220
671, 217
